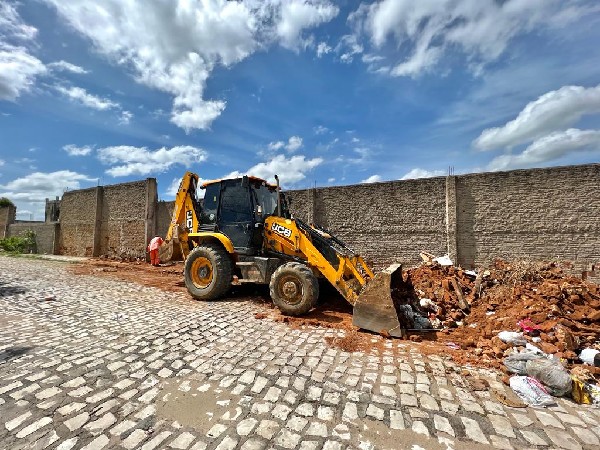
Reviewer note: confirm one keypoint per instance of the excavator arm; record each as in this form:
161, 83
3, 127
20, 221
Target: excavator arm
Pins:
184, 220
329, 257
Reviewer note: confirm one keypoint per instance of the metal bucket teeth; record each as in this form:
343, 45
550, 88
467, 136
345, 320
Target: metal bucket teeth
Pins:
374, 309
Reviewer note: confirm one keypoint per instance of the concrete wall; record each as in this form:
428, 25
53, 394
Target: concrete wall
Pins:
537, 214
7, 216
530, 214
78, 211
47, 235
116, 220
384, 222
164, 212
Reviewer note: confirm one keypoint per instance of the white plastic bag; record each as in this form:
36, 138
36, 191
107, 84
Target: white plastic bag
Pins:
587, 355
512, 337
531, 391
552, 374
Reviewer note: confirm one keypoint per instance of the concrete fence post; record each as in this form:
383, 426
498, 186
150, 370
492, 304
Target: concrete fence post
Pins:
451, 219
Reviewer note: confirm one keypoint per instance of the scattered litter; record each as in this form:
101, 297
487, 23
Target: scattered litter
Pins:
512, 337
120, 316
552, 374
517, 363
443, 260
528, 326
453, 345
531, 391
590, 356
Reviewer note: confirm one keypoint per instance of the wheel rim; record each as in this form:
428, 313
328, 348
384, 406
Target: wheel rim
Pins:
290, 290
201, 272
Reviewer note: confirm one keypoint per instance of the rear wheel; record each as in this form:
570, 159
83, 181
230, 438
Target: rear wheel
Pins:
294, 289
208, 272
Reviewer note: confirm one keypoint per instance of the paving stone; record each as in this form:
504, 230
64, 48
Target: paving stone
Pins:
134, 439
99, 443
14, 423
443, 424
500, 442
396, 420
473, 431
35, 426
533, 438
317, 429
267, 429
420, 428
586, 436
253, 444
549, 420
182, 441
77, 422
562, 439
67, 444
122, 427
287, 439
216, 430
245, 427
502, 426
99, 425
375, 412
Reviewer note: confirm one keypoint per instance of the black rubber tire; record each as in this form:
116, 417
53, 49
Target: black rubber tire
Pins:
222, 272
304, 284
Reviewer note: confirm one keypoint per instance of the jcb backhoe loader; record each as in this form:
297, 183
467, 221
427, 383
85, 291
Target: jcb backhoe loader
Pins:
243, 231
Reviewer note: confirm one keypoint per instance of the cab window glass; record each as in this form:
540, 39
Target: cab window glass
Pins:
209, 211
235, 205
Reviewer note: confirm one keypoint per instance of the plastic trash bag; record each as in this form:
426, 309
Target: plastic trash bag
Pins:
552, 374
531, 391
590, 356
517, 362
512, 337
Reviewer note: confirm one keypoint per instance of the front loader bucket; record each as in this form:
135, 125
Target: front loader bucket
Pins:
374, 309
170, 251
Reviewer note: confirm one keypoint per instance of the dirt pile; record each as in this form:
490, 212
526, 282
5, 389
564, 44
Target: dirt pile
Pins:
557, 312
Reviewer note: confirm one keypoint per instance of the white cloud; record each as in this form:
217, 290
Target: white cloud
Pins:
372, 179
422, 173
550, 148
18, 71
553, 110
331, 180
173, 187
125, 118
173, 45
30, 192
348, 47
278, 145
320, 129
73, 150
296, 15
290, 170
64, 66
18, 68
482, 30
80, 95
293, 144
12, 26
323, 49
128, 160
2, 162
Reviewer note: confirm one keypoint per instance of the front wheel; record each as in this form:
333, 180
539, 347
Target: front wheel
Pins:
294, 289
208, 272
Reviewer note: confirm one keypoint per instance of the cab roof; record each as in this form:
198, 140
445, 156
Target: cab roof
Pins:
250, 177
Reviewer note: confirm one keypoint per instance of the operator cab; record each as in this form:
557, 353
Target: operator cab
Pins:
238, 208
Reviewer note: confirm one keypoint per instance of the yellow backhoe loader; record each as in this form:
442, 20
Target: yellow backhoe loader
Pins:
243, 232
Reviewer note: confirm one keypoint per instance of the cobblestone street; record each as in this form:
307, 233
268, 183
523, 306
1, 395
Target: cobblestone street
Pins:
94, 363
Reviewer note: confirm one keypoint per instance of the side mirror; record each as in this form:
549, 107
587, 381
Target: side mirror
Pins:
259, 210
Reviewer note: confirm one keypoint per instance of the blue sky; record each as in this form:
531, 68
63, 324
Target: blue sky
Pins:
322, 93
